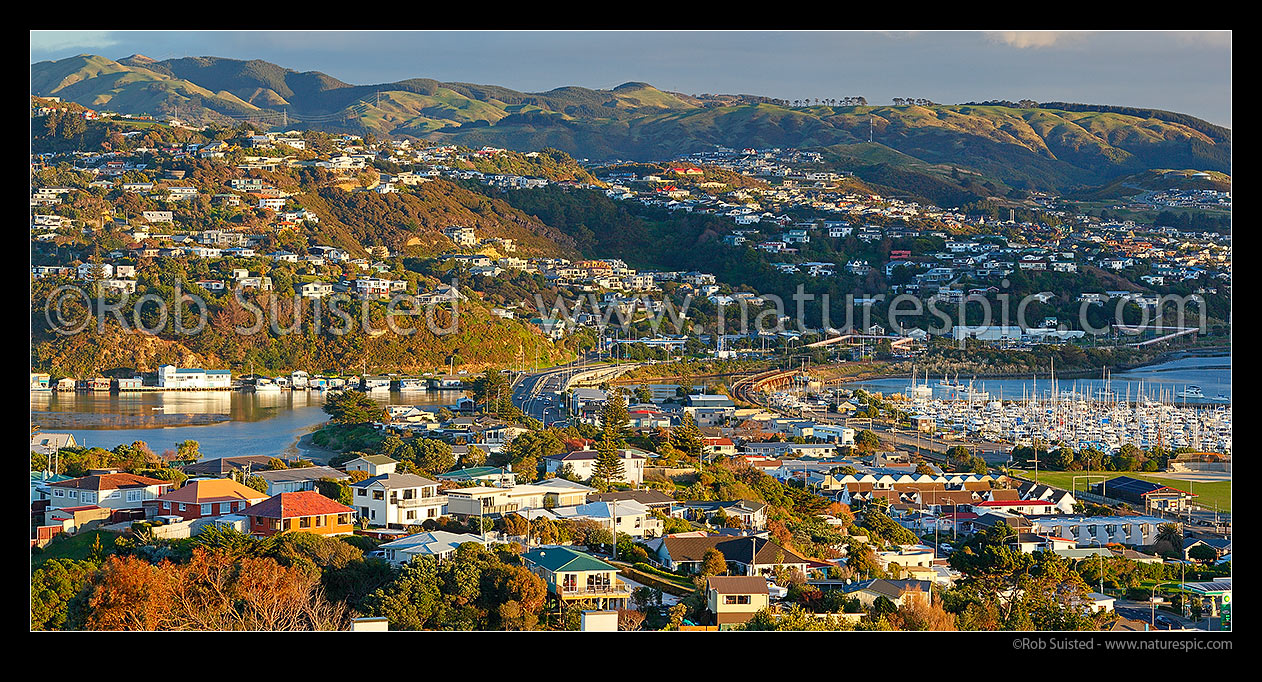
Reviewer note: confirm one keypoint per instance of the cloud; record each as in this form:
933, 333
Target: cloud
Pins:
50, 41
1036, 39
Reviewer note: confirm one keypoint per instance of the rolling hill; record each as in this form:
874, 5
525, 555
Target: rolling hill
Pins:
944, 152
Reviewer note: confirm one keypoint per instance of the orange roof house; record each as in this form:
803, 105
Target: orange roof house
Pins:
307, 511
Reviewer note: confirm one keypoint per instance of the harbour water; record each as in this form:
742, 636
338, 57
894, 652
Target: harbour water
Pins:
247, 423
1211, 373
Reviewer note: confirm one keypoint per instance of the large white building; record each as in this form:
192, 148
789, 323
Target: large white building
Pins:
170, 376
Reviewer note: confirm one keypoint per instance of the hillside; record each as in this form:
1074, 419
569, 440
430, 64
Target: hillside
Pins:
993, 147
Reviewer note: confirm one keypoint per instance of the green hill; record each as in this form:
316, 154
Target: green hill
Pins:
941, 152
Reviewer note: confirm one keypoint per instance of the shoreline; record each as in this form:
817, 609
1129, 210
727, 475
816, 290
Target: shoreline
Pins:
306, 449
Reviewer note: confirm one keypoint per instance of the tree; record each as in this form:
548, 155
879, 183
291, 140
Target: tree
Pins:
256, 483
276, 464
474, 457
1170, 534
189, 450
614, 418
413, 600
917, 613
608, 466
1203, 554
713, 563
54, 586
433, 456
687, 437
352, 407
629, 620
643, 394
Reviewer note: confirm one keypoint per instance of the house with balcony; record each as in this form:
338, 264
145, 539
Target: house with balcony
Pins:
575, 576
398, 500
307, 512
493, 502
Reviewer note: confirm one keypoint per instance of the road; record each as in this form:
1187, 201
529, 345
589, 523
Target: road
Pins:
1143, 612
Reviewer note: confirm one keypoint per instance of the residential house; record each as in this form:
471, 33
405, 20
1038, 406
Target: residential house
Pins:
306, 511
298, 480
732, 600
398, 500
109, 489
205, 498
438, 544
575, 576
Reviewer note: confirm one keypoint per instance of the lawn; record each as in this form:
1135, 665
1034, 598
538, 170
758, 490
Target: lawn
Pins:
73, 546
1208, 494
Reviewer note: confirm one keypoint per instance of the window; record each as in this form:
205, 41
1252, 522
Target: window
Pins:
206, 510
166, 506
181, 507
319, 521
133, 495
378, 495
360, 492
115, 495
432, 513
411, 514
569, 582
736, 599
88, 497
59, 493
304, 522
72, 494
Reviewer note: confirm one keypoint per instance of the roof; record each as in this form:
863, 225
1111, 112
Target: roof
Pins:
648, 498
109, 482
893, 589
434, 542
374, 459
579, 455
302, 474
469, 473
216, 490
737, 584
556, 559
738, 549
389, 481
224, 465
294, 505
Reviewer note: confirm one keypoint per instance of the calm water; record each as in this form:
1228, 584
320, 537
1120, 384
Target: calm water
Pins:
261, 423
1211, 373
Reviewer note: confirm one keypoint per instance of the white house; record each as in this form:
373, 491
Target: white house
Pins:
583, 463
398, 500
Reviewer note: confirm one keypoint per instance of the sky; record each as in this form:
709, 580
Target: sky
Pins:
1187, 72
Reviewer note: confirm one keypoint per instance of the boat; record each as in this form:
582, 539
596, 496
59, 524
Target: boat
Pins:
1191, 392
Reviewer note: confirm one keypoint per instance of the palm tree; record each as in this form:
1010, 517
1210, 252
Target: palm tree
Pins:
1170, 533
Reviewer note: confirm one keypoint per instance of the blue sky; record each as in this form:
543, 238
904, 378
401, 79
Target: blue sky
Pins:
1188, 72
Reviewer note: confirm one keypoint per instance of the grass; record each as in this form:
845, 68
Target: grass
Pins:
1208, 494
77, 546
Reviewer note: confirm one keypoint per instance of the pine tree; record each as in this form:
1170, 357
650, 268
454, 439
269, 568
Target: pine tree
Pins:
614, 418
608, 467
687, 437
